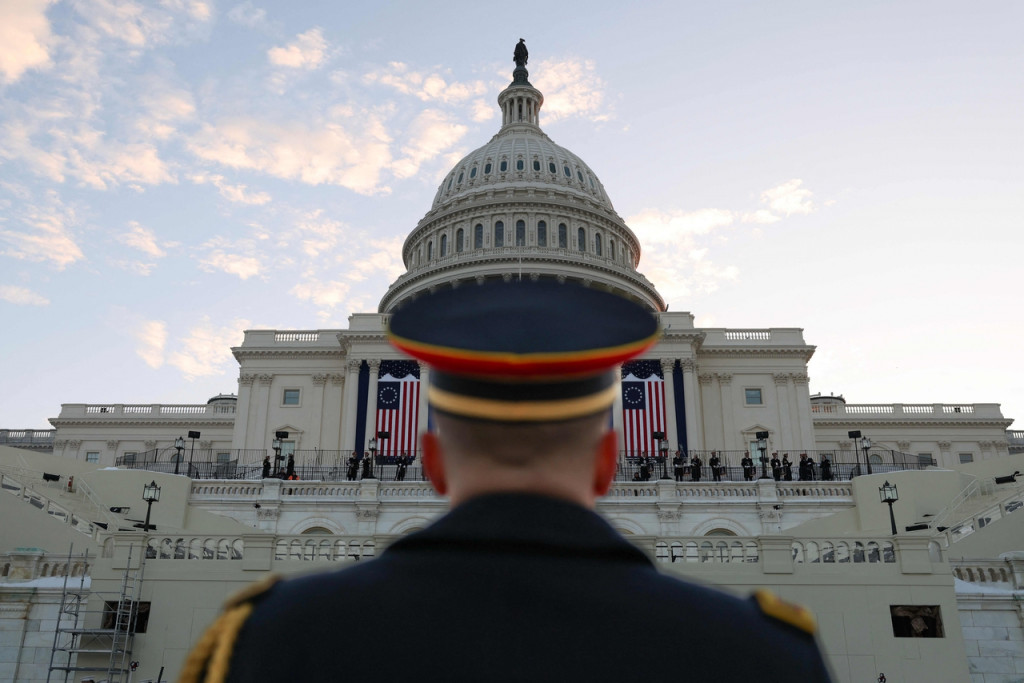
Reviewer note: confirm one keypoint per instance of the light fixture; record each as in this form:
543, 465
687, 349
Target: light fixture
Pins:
888, 493
179, 444
865, 444
150, 494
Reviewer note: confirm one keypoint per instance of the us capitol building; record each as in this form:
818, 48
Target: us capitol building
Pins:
906, 545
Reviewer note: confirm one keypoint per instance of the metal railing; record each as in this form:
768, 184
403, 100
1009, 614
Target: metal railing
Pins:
337, 465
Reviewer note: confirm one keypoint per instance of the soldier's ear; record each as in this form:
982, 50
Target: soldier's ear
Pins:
606, 463
433, 463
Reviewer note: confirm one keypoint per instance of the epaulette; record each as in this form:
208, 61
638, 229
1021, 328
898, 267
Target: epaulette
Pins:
795, 615
209, 659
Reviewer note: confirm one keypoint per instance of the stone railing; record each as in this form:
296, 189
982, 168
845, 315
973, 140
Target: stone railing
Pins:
70, 411
776, 336
839, 494
27, 438
1012, 502
893, 410
26, 564
1002, 574
24, 488
204, 547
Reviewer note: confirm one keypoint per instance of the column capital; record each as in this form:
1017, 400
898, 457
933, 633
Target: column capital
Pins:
705, 378
354, 364
266, 378
688, 365
246, 379
337, 379
799, 377
374, 364
319, 378
668, 364
781, 378
724, 377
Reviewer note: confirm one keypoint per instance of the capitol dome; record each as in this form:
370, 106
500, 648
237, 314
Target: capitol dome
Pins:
521, 206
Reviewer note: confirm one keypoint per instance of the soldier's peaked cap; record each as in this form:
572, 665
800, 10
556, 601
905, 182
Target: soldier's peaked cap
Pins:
522, 351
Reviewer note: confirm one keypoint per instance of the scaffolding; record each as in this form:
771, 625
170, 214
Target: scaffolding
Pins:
97, 627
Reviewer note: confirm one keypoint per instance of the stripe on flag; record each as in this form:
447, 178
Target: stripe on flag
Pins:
398, 402
643, 407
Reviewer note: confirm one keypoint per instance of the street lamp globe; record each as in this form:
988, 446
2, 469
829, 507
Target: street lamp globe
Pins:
151, 492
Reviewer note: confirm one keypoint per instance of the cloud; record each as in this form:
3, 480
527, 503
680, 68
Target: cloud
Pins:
165, 107
206, 350
24, 38
351, 155
430, 134
142, 239
233, 193
247, 15
123, 20
49, 237
386, 260
571, 87
152, 337
789, 198
307, 51
426, 85
762, 216
670, 227
220, 257
21, 296
324, 294
196, 9
483, 111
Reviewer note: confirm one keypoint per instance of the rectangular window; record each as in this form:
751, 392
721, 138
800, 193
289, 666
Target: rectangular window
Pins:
290, 398
129, 457
916, 621
92, 456
287, 448
112, 620
966, 457
925, 459
753, 397
223, 457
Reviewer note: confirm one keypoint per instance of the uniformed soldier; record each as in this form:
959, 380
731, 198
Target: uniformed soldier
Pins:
678, 464
716, 466
776, 467
695, 468
748, 467
521, 580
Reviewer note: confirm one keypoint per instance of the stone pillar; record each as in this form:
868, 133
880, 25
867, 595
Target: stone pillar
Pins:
348, 406
728, 423
240, 436
786, 440
713, 420
671, 433
802, 396
263, 399
371, 401
316, 421
694, 423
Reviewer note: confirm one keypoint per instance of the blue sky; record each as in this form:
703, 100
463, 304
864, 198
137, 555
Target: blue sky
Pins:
174, 172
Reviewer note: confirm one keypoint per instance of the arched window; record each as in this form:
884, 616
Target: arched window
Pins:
487, 168
520, 233
581, 239
520, 165
444, 245
459, 181
430, 250
478, 236
472, 173
551, 168
503, 166
459, 239
542, 234
563, 236
536, 165
568, 173
597, 243
499, 233
611, 249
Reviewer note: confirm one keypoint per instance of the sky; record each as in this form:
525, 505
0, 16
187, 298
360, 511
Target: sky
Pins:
174, 172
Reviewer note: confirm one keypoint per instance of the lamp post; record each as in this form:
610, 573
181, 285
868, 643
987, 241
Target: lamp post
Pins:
888, 493
372, 447
192, 453
762, 445
179, 444
276, 445
663, 454
150, 494
865, 444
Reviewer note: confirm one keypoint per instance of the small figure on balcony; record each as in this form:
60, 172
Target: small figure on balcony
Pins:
266, 467
748, 467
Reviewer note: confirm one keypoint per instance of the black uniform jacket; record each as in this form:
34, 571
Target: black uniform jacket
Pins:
514, 588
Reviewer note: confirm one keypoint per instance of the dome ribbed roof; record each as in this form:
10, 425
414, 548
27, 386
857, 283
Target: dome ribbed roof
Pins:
544, 165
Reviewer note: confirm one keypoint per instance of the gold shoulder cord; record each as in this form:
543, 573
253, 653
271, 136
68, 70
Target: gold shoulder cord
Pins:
786, 612
209, 660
